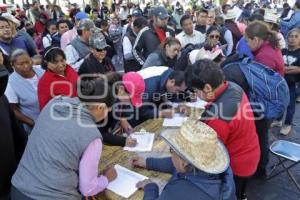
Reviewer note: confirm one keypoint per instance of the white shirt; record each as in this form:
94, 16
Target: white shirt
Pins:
72, 57
11, 94
196, 38
47, 40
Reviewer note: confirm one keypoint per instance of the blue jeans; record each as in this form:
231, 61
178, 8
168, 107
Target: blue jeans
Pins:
292, 105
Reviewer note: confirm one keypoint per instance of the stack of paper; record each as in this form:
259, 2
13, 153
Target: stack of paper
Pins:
125, 183
176, 121
144, 142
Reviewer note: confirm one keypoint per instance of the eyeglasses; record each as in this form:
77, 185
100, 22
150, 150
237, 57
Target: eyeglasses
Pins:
214, 36
100, 50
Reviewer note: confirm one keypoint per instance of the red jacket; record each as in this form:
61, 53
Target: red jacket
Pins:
231, 116
52, 84
270, 57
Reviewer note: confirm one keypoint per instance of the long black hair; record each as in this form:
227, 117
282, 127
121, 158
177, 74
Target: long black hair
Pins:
50, 55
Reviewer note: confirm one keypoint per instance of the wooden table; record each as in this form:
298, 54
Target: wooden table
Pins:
116, 155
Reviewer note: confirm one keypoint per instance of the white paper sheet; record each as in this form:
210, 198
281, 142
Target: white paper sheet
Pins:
198, 104
125, 183
176, 121
144, 142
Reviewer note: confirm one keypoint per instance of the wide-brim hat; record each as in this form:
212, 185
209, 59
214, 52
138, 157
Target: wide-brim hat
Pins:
231, 15
11, 18
198, 144
271, 18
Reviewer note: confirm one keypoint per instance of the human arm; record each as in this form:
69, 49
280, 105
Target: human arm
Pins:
152, 60
89, 182
229, 40
72, 57
156, 164
292, 70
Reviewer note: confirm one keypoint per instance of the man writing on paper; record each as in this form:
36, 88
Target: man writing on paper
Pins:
161, 85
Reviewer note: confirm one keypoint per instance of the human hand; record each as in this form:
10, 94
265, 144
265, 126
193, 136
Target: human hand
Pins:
110, 173
130, 142
140, 185
126, 126
168, 113
138, 161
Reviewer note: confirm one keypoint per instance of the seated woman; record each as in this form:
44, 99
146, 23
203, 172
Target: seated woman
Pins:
166, 55
64, 149
21, 90
49, 31
59, 78
230, 114
265, 46
97, 62
199, 165
128, 89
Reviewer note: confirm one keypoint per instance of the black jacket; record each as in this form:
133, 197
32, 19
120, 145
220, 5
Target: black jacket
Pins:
91, 65
13, 140
147, 42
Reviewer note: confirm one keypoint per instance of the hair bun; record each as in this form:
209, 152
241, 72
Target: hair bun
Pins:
87, 87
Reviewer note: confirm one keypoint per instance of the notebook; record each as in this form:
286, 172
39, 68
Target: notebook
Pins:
198, 104
125, 183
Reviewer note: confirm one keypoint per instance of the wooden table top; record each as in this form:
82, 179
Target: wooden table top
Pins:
116, 155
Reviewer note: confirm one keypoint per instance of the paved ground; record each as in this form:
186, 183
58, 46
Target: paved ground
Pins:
280, 187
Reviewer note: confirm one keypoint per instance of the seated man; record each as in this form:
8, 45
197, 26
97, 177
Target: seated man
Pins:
161, 84
199, 165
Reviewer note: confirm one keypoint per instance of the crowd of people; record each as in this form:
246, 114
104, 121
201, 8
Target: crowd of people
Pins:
72, 83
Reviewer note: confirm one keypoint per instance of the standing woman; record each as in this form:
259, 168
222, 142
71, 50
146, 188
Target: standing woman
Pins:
166, 55
49, 31
62, 155
291, 57
59, 78
21, 90
264, 45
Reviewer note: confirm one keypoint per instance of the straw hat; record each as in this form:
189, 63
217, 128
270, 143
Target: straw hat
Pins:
198, 144
199, 54
271, 18
231, 14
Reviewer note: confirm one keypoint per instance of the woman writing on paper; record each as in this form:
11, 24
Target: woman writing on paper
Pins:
199, 163
62, 155
128, 89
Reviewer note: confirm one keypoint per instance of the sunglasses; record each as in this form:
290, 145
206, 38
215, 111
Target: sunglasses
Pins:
214, 36
100, 50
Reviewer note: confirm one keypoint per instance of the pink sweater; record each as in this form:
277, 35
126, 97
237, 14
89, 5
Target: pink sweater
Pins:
89, 182
270, 57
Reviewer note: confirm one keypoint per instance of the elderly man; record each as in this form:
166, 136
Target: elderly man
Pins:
79, 48
68, 36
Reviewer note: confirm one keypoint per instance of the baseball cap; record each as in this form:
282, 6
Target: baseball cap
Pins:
11, 18
136, 13
97, 40
81, 15
135, 86
160, 12
86, 24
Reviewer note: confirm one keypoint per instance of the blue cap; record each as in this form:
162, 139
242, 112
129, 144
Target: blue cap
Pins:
81, 15
137, 13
